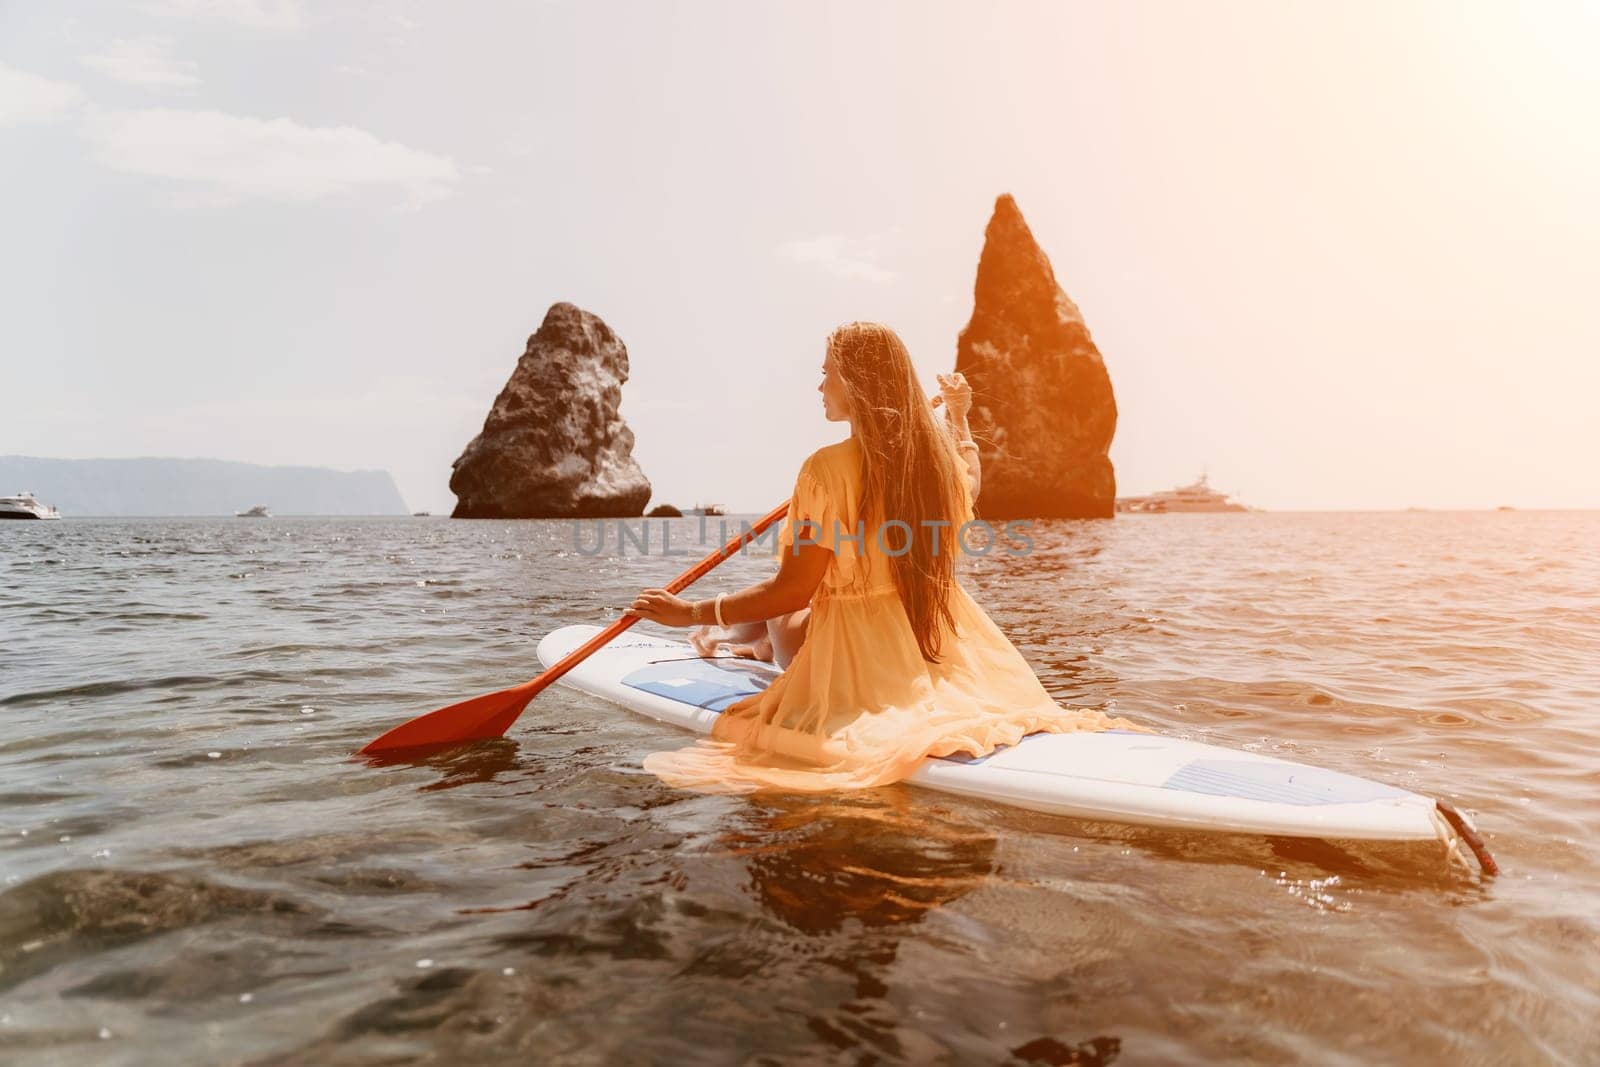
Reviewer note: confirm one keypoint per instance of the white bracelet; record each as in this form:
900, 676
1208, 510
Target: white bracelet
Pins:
719, 609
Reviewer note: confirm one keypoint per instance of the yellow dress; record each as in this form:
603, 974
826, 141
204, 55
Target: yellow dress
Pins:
859, 706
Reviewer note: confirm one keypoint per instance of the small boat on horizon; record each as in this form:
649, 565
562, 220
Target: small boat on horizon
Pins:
258, 512
25, 506
705, 509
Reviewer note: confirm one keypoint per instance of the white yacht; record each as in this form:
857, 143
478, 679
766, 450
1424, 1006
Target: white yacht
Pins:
258, 512
24, 506
1197, 496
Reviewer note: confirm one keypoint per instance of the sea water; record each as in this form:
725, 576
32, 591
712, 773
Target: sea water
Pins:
196, 870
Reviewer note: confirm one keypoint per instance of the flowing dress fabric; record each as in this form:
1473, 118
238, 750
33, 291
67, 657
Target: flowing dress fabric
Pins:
859, 706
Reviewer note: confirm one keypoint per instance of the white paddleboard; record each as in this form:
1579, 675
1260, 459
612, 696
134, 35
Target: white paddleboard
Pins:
1114, 775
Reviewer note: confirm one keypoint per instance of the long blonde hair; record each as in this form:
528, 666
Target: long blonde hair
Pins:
909, 472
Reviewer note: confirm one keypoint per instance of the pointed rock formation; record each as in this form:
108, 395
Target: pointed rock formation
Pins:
554, 445
1042, 410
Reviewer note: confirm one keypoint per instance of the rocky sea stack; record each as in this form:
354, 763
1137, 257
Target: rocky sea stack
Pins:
554, 445
1042, 412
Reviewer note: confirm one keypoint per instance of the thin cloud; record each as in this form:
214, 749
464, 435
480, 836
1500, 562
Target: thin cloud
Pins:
27, 97
275, 15
232, 157
143, 61
838, 255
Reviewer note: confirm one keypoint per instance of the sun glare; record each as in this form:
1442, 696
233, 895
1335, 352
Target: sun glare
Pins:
1540, 62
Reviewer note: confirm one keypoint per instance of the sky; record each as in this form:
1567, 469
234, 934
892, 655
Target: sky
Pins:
1336, 255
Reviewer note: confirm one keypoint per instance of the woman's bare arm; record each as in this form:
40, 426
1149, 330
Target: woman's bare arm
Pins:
799, 574
800, 571
956, 396
969, 451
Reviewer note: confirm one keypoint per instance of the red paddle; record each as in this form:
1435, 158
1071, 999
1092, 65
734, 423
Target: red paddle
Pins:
492, 714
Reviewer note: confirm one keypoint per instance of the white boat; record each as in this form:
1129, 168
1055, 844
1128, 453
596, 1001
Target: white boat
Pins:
1197, 496
258, 512
25, 506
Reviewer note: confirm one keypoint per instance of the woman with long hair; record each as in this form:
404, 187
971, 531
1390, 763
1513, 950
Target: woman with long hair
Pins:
886, 658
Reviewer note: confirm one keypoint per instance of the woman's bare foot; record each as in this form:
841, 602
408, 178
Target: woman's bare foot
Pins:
748, 640
705, 639
761, 648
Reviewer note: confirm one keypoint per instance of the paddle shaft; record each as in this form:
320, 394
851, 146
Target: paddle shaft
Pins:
681, 582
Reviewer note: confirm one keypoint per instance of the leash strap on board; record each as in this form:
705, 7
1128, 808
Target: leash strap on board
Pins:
1462, 830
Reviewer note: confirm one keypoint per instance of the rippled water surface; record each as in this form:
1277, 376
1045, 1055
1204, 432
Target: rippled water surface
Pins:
196, 870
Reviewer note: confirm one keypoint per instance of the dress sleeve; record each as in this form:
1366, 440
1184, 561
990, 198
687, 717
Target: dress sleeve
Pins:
811, 503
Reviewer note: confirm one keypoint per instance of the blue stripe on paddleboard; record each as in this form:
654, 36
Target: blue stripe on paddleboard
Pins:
1277, 783
712, 684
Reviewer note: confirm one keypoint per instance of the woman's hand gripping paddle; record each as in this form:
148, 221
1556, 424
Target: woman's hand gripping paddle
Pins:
492, 714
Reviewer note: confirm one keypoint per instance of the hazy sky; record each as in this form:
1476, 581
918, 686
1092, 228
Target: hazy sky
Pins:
1343, 255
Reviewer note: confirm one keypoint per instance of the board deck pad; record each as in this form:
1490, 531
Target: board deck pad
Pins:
712, 684
1280, 783
1113, 775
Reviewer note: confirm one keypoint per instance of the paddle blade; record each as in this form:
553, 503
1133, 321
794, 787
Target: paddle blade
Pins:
490, 715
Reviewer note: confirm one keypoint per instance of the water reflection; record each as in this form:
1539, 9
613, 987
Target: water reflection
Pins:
857, 876
481, 761
817, 864
819, 867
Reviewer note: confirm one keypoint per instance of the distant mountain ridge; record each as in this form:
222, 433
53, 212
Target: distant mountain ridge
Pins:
156, 486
